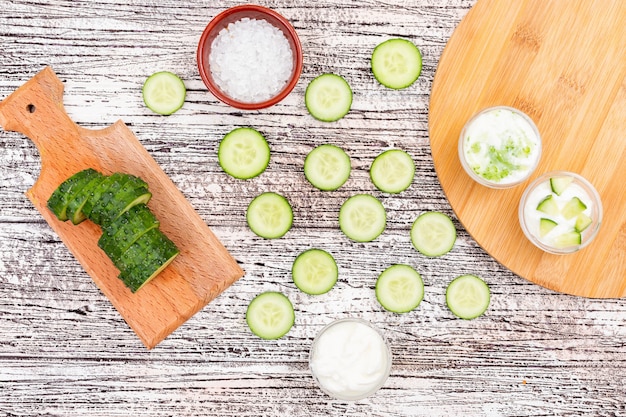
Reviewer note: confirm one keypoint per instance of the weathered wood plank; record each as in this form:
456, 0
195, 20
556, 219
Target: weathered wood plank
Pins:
65, 351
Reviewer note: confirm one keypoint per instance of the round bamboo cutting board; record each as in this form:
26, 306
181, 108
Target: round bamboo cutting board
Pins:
563, 62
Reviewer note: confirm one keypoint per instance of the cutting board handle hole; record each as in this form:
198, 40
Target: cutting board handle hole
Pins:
31, 108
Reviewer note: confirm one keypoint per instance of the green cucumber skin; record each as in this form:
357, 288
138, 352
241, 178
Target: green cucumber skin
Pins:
130, 232
75, 206
120, 234
151, 243
135, 276
65, 193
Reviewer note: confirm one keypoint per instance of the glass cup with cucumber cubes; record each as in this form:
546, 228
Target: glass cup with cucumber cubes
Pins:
499, 147
560, 212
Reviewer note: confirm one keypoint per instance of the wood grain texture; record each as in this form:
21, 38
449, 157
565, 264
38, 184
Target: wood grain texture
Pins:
201, 271
564, 64
66, 351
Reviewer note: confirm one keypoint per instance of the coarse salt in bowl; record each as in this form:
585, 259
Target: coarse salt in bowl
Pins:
249, 57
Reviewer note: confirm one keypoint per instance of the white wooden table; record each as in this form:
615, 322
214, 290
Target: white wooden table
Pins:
65, 351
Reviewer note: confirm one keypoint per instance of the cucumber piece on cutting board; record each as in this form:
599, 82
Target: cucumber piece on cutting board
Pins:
63, 195
131, 237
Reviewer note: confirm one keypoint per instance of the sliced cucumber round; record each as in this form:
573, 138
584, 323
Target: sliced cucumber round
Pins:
362, 218
269, 215
392, 171
327, 167
270, 315
328, 97
396, 63
468, 297
244, 153
399, 288
433, 234
164, 92
315, 271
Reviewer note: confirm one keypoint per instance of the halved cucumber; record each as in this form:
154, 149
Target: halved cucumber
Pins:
75, 207
468, 297
147, 245
362, 218
133, 192
314, 271
110, 184
392, 171
328, 97
396, 63
433, 234
270, 315
327, 167
152, 264
164, 92
243, 153
269, 215
127, 229
63, 195
399, 288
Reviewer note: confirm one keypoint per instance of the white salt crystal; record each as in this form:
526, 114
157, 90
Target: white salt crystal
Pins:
251, 60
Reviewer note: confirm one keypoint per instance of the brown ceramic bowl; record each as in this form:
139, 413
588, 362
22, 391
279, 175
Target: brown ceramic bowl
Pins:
235, 14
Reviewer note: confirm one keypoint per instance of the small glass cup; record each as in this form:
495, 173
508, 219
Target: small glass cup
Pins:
505, 142
538, 190
350, 359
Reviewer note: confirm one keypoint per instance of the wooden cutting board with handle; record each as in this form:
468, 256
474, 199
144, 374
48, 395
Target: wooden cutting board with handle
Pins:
563, 62
204, 267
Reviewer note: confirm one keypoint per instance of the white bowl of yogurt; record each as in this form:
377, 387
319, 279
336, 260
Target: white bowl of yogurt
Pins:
500, 147
560, 212
350, 359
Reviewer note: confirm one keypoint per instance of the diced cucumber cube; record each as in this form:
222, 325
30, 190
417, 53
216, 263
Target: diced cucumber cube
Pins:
573, 208
549, 206
582, 222
559, 184
546, 226
567, 239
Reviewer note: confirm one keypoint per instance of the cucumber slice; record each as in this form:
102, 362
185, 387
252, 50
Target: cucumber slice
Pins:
396, 63
399, 288
125, 230
582, 222
269, 215
314, 271
546, 226
327, 167
548, 206
65, 193
559, 184
164, 92
75, 207
362, 218
151, 244
573, 208
392, 171
468, 297
433, 234
567, 239
270, 315
243, 153
328, 97
137, 276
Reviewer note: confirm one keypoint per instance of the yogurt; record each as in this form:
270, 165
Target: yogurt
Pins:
500, 147
562, 227
350, 359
